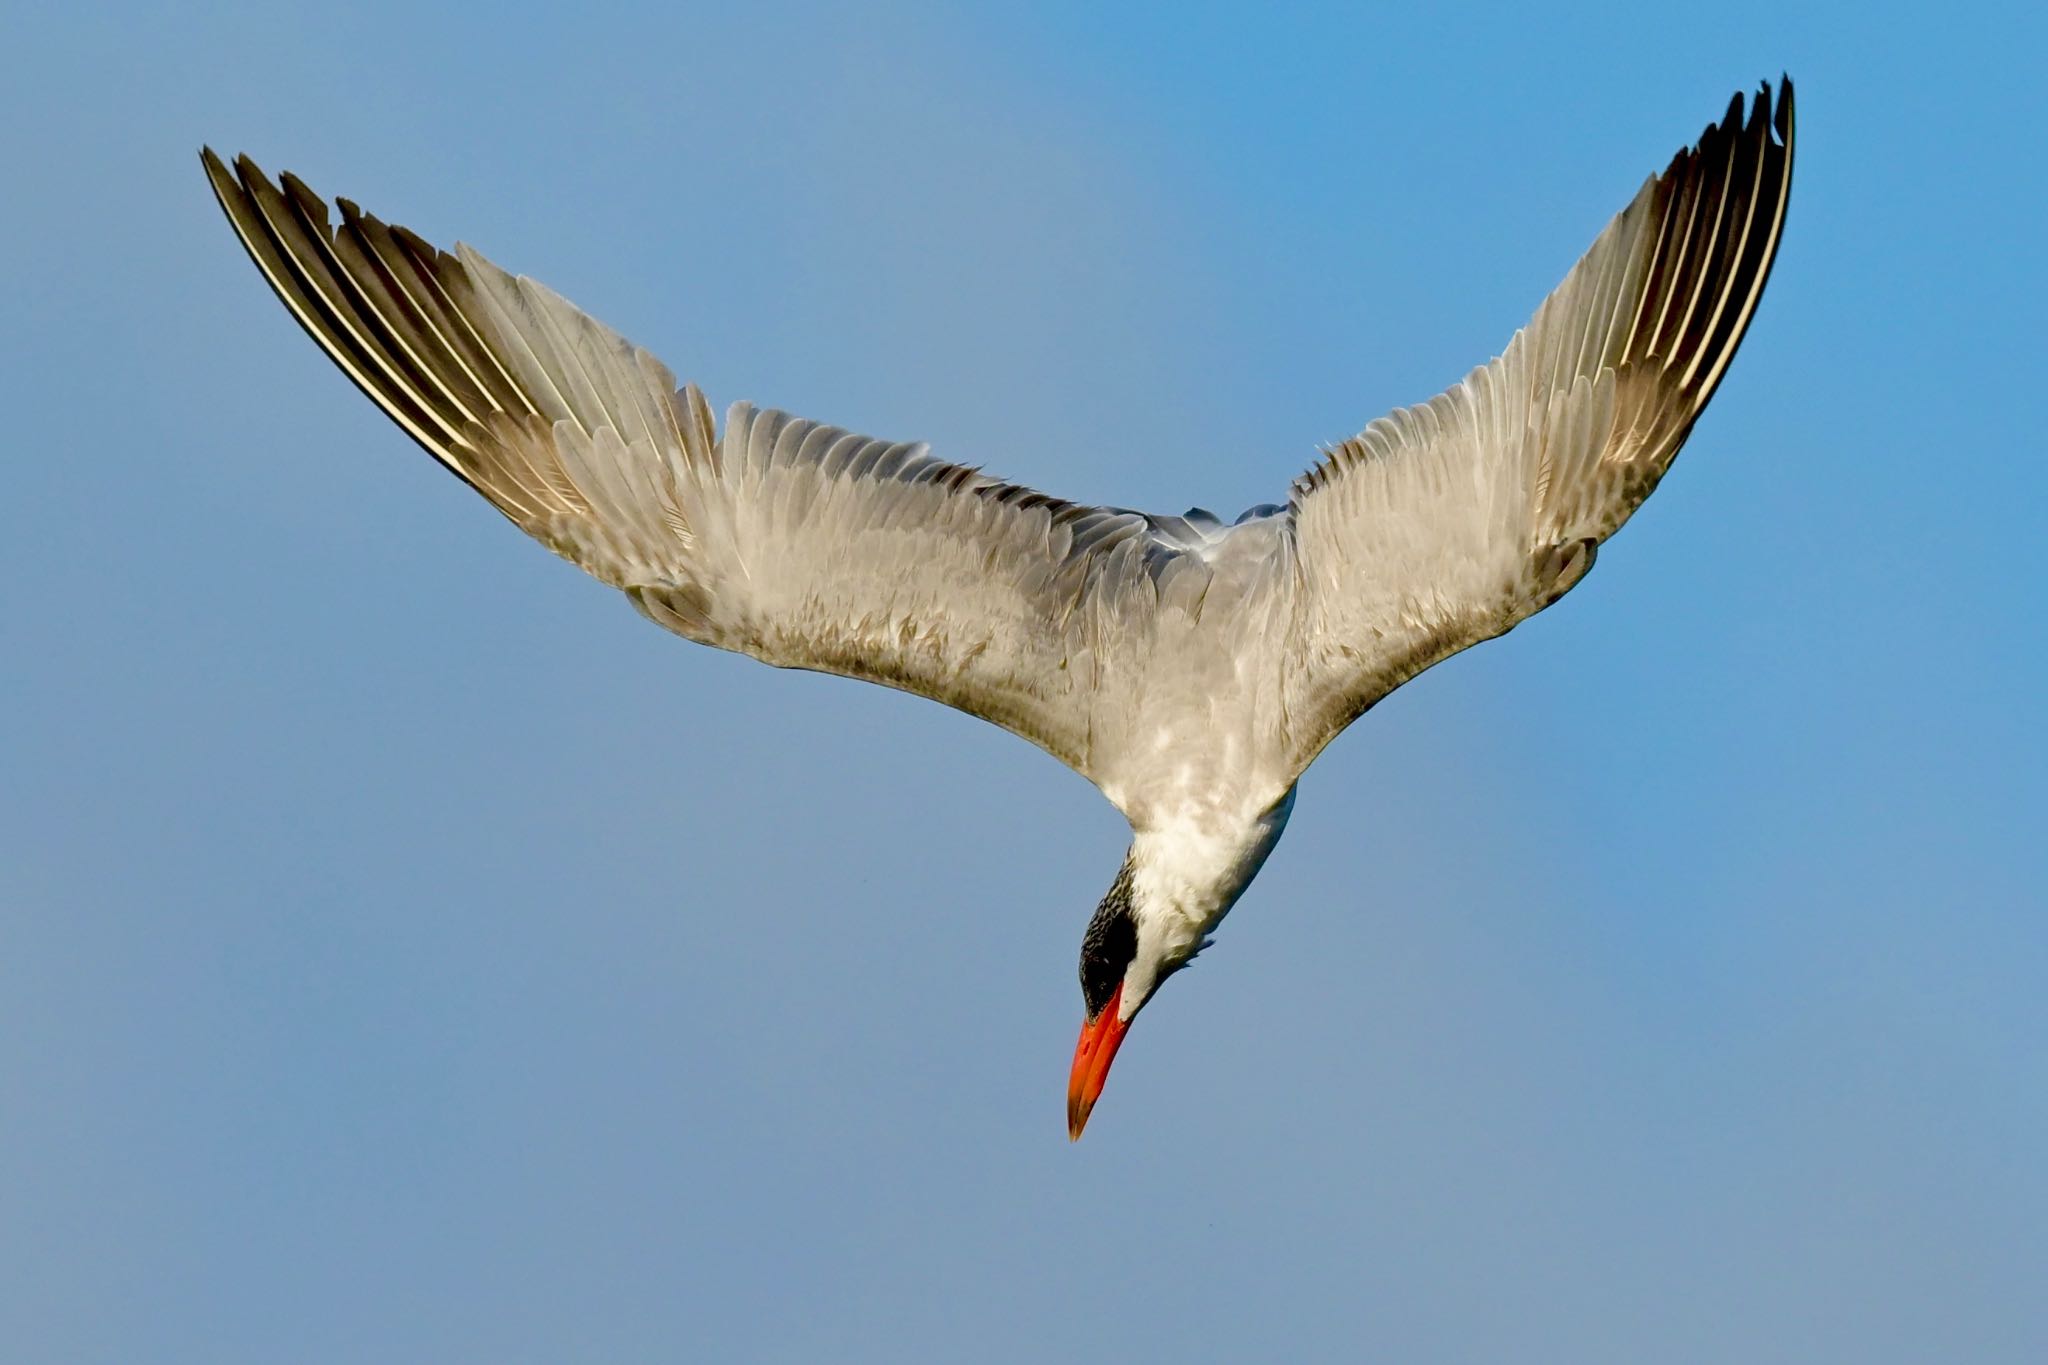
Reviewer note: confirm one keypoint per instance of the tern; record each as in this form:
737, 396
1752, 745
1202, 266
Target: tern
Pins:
1190, 669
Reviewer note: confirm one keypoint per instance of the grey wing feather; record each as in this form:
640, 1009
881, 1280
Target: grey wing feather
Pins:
1442, 525
800, 544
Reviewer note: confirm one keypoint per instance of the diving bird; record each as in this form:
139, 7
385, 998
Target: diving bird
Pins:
1188, 668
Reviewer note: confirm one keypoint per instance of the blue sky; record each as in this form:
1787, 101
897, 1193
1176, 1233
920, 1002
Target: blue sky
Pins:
410, 955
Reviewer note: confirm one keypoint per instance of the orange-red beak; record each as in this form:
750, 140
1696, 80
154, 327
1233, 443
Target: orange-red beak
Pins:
1100, 1038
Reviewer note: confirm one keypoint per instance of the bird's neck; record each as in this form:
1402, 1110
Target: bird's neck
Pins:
1186, 873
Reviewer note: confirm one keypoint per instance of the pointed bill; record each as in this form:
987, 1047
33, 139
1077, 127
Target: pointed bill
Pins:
1100, 1038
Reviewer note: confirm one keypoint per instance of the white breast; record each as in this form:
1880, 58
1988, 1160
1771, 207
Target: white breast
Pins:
1188, 872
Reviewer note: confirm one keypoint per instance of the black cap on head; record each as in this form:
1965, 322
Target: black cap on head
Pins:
1109, 945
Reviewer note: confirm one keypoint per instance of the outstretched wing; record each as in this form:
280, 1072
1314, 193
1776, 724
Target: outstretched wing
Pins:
1442, 525
802, 545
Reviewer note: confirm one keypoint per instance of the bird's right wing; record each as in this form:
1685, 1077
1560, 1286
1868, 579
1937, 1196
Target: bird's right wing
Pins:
802, 545
1445, 524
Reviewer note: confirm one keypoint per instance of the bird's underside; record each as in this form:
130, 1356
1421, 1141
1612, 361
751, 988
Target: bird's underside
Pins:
1191, 669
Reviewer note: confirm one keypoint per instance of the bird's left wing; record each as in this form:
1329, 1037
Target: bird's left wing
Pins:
1442, 525
802, 545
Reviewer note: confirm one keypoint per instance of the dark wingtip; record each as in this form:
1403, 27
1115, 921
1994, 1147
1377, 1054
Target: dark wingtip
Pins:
301, 194
220, 179
216, 169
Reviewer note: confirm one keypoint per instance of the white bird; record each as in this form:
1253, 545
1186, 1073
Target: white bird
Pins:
1190, 669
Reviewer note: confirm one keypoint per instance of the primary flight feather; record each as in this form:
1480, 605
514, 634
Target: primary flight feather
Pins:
1190, 669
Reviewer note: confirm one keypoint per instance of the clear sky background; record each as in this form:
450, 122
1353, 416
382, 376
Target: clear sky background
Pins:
409, 954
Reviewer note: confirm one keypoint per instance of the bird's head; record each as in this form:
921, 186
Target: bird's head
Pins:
1124, 958
1176, 885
